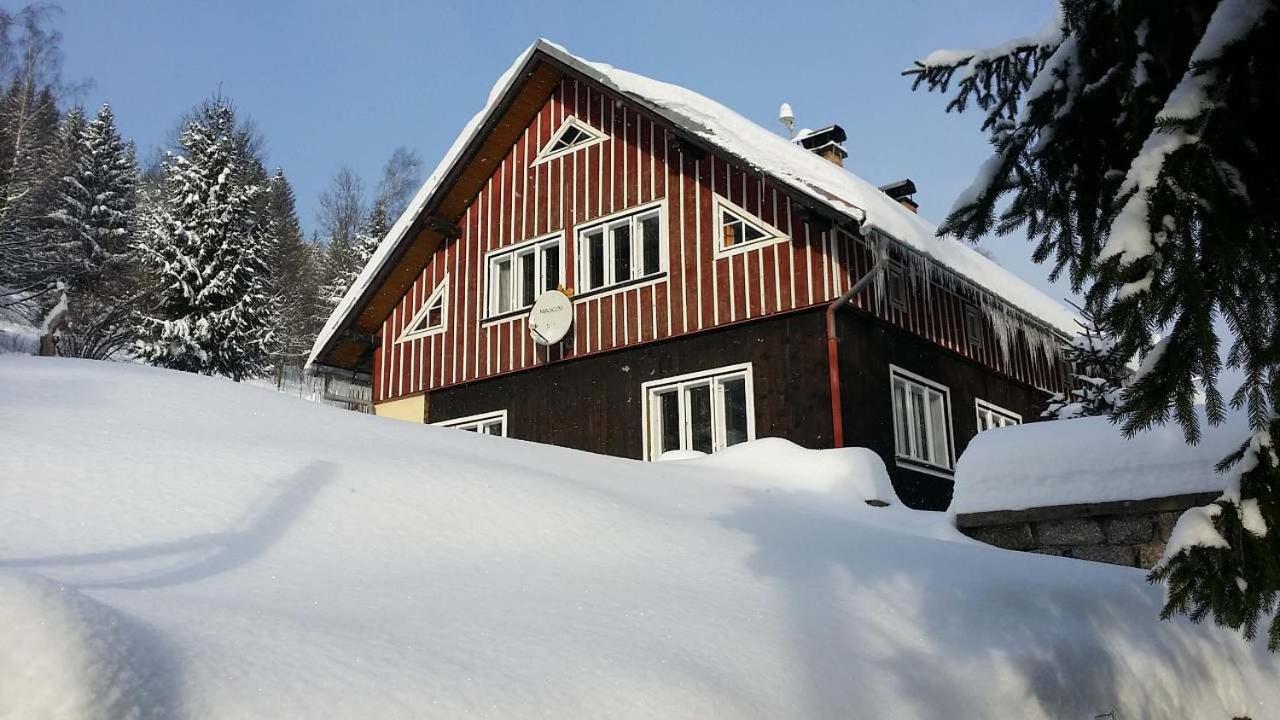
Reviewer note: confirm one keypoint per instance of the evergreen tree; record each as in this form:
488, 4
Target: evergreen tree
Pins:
94, 218
1097, 373
1135, 142
293, 273
375, 227
213, 310
30, 73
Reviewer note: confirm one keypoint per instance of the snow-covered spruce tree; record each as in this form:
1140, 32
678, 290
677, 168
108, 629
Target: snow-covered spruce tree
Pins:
375, 227
1097, 375
212, 314
1135, 142
94, 219
293, 277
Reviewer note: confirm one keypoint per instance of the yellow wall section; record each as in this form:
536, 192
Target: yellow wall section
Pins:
413, 409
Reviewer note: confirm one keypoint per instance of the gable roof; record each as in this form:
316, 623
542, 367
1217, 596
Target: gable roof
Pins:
729, 133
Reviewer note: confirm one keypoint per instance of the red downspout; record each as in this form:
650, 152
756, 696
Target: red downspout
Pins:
833, 353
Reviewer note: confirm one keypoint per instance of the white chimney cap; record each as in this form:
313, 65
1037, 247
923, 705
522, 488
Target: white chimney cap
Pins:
785, 115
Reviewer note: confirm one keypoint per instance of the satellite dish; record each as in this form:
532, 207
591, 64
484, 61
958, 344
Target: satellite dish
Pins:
550, 317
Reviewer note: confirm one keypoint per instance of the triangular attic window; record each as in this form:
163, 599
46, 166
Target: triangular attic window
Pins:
737, 227
572, 135
432, 317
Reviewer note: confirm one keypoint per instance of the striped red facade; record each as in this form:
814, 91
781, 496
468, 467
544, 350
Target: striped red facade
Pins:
641, 163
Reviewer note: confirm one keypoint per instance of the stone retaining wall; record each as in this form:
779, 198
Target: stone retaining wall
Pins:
1129, 532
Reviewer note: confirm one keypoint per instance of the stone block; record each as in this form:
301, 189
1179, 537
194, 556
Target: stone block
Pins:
1129, 529
1081, 531
1164, 524
1149, 554
1009, 537
1110, 554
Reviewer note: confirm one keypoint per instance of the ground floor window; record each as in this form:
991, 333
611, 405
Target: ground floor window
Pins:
993, 416
705, 411
491, 423
921, 420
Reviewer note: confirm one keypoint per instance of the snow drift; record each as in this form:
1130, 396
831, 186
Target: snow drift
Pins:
179, 546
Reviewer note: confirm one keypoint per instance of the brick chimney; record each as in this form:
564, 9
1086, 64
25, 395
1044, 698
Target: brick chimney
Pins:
827, 143
902, 191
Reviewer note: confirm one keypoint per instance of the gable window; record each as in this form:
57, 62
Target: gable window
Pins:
572, 135
518, 275
432, 318
737, 229
705, 411
973, 325
622, 249
491, 423
896, 286
993, 416
921, 421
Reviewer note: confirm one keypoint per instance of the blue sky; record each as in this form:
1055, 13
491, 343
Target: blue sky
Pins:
346, 82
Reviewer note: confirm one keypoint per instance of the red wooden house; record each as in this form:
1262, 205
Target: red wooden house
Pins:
700, 255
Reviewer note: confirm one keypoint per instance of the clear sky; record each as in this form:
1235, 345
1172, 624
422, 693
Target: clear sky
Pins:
333, 83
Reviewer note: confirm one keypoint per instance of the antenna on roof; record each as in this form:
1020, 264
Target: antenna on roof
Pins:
788, 118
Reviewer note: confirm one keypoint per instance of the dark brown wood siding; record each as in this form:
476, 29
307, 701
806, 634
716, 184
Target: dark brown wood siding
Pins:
594, 403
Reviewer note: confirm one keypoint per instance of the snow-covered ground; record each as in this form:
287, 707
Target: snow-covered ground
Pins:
179, 546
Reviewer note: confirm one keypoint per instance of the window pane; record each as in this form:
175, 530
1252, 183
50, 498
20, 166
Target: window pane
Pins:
595, 259
435, 317
732, 230
650, 230
502, 285
699, 399
918, 420
938, 419
621, 252
528, 279
735, 410
668, 417
493, 427
902, 431
551, 267
751, 234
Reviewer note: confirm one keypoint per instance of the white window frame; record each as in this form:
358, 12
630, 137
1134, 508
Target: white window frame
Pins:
546, 153
914, 462
473, 423
533, 245
772, 234
982, 407
633, 216
441, 293
649, 421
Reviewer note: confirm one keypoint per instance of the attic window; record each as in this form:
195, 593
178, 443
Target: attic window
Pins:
973, 326
738, 230
896, 282
431, 319
572, 135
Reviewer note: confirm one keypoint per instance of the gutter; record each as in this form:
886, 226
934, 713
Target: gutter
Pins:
833, 350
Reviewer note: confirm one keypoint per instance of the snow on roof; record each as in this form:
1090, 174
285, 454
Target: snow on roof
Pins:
750, 143
1088, 460
310, 564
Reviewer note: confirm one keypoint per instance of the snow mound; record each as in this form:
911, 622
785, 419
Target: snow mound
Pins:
1088, 460
63, 655
845, 475
219, 551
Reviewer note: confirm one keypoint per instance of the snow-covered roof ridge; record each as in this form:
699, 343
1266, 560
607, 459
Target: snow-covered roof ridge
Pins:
747, 141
